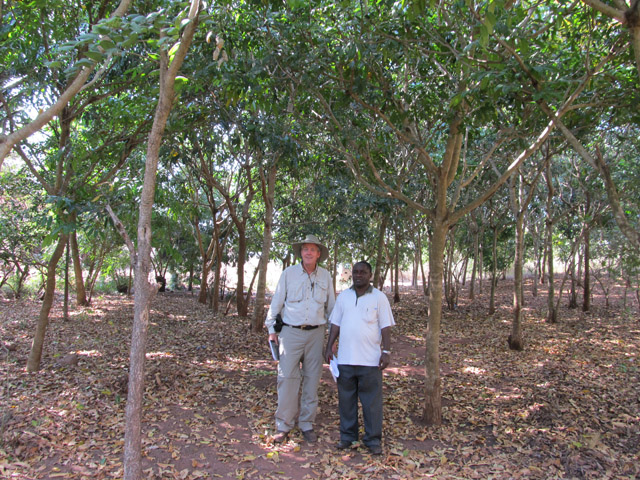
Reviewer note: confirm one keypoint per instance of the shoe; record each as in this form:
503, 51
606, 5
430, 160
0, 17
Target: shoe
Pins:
343, 445
375, 449
310, 436
280, 437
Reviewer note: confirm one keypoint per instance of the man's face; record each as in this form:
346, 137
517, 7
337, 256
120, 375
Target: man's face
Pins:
361, 275
310, 253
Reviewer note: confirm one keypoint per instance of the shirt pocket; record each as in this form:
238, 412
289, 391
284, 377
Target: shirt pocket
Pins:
371, 315
295, 292
320, 291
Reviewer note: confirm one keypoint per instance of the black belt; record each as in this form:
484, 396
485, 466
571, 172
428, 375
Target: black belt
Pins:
302, 327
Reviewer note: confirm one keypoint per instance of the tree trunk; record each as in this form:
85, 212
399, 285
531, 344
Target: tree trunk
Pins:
573, 295
207, 260
241, 302
204, 281
336, 250
518, 206
380, 252
67, 260
494, 273
586, 301
145, 291
432, 411
81, 293
536, 259
481, 261
268, 193
33, 363
476, 247
425, 284
396, 255
552, 314
515, 339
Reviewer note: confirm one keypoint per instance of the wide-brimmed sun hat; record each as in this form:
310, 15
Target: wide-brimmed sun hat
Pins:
297, 247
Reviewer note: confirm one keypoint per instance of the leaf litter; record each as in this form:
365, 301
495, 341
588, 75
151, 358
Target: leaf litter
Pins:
566, 407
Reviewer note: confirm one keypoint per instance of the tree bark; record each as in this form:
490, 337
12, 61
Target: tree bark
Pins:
144, 290
396, 257
35, 356
519, 203
494, 272
380, 252
515, 339
586, 301
432, 409
268, 193
552, 314
81, 293
425, 284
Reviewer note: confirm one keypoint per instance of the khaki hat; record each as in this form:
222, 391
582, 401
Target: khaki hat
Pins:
297, 247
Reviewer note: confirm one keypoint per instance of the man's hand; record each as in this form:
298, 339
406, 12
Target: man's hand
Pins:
385, 360
274, 337
328, 354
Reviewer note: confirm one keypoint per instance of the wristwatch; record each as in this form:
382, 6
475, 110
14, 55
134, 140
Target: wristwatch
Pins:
388, 352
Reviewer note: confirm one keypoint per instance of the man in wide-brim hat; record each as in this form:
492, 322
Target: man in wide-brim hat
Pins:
304, 298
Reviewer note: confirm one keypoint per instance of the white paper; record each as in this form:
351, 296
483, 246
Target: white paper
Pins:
333, 366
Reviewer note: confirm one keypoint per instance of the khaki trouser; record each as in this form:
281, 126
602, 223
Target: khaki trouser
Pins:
300, 361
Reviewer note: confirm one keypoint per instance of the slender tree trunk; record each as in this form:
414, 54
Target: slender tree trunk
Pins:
217, 277
476, 245
432, 411
336, 250
268, 193
518, 206
494, 273
425, 284
586, 301
204, 281
207, 261
573, 295
241, 303
481, 261
33, 363
396, 255
536, 250
144, 290
465, 264
552, 314
515, 339
380, 252
67, 260
81, 293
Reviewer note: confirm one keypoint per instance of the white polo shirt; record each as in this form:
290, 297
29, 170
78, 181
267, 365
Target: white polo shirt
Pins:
361, 320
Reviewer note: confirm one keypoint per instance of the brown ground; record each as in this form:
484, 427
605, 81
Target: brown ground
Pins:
565, 407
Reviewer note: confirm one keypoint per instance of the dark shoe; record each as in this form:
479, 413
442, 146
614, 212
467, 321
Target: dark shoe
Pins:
310, 436
280, 437
375, 449
343, 445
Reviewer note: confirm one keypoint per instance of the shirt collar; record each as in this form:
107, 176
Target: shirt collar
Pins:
304, 272
368, 290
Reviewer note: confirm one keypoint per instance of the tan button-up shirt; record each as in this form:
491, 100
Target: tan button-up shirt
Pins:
302, 298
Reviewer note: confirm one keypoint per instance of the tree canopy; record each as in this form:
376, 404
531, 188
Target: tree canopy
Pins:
461, 134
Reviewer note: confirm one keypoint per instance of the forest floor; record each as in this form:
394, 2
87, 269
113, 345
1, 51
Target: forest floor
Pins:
568, 406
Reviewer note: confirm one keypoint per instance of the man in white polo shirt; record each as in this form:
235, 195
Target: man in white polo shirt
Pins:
362, 318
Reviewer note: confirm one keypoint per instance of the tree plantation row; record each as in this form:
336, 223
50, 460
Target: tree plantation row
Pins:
477, 136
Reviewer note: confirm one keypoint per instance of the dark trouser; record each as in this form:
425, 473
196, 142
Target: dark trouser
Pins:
364, 383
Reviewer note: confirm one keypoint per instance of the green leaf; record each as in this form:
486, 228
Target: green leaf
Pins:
96, 56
